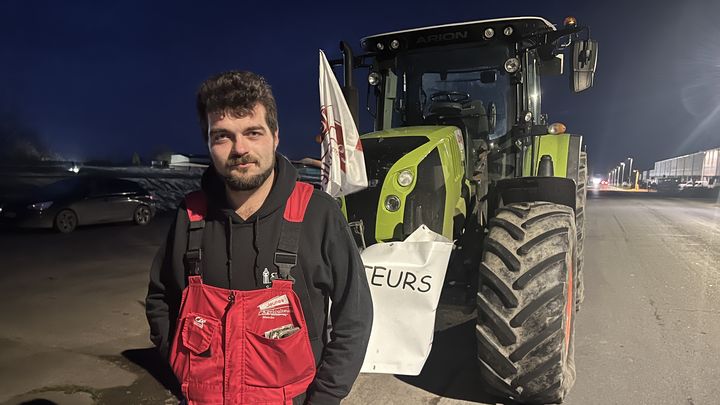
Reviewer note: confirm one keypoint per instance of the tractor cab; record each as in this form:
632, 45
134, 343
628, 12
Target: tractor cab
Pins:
456, 104
482, 76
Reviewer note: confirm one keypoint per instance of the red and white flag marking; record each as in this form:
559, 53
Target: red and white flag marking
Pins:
343, 161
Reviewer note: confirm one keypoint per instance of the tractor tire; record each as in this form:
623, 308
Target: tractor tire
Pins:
525, 302
580, 200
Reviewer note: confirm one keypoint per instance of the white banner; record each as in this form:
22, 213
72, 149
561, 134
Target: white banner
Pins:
405, 280
343, 162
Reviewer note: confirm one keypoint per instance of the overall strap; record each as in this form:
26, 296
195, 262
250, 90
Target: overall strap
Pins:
286, 253
196, 205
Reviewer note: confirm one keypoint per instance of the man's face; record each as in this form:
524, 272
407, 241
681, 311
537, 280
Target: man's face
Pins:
242, 149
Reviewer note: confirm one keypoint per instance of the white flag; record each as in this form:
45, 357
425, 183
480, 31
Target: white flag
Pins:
343, 162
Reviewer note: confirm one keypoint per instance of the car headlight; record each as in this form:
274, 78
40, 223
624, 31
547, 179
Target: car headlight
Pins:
40, 206
405, 178
392, 203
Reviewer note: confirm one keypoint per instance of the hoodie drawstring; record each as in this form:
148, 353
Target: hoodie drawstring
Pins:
229, 251
256, 236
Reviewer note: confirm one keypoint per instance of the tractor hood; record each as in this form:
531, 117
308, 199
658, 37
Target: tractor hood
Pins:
409, 172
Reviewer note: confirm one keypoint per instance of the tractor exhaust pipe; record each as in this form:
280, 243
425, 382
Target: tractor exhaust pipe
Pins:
349, 91
545, 168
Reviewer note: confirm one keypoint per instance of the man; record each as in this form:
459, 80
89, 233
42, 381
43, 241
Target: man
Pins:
243, 221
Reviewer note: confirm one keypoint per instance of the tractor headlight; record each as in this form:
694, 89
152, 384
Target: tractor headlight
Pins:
405, 178
394, 44
512, 65
489, 33
374, 78
527, 116
392, 203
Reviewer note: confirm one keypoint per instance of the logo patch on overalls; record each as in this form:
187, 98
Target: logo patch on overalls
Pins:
199, 322
274, 307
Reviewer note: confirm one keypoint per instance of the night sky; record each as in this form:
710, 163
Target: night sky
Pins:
105, 79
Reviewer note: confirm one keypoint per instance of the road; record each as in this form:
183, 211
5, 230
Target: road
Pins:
74, 329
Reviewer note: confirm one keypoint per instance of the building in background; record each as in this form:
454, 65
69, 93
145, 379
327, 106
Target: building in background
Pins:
703, 168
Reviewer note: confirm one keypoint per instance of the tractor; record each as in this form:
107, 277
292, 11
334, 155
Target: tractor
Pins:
460, 144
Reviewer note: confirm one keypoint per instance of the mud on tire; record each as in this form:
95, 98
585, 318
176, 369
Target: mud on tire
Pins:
580, 200
526, 305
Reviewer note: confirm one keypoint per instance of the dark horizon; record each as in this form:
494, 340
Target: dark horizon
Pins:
103, 81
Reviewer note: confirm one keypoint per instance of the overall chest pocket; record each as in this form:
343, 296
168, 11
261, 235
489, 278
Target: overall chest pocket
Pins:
201, 338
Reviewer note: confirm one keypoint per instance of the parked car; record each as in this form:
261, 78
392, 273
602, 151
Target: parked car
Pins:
308, 171
81, 200
693, 184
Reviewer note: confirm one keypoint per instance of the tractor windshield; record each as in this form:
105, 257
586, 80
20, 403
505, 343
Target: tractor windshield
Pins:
466, 84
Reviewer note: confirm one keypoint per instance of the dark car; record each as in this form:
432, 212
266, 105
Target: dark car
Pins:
81, 200
308, 172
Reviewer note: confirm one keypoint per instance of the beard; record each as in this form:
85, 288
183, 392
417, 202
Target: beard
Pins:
245, 182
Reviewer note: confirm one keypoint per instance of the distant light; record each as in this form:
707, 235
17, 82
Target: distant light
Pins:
394, 44
512, 65
489, 33
508, 31
570, 21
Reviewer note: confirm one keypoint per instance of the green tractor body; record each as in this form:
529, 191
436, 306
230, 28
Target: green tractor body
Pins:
461, 146
429, 192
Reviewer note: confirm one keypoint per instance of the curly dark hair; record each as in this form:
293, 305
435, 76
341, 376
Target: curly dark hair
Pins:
235, 93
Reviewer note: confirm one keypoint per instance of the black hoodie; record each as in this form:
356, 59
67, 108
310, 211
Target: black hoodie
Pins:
235, 253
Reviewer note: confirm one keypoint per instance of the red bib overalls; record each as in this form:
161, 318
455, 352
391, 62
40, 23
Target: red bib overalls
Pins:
228, 346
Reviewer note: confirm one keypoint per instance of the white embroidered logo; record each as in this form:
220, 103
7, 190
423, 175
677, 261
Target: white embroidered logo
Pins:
199, 322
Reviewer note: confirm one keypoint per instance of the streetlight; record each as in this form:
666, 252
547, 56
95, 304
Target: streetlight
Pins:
622, 175
617, 174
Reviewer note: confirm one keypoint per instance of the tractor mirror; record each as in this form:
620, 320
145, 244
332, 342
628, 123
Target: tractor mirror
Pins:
488, 76
584, 62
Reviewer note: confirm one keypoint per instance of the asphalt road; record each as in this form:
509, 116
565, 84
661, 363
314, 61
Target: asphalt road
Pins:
74, 329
